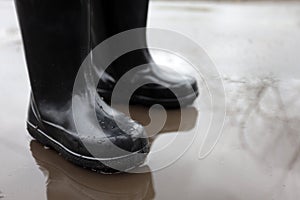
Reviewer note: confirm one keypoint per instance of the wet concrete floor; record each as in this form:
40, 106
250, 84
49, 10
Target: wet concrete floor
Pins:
255, 47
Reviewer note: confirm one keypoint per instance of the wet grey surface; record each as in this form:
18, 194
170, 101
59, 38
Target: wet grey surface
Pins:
255, 46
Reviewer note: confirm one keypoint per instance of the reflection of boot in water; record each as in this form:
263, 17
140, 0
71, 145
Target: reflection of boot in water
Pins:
66, 181
159, 120
176, 120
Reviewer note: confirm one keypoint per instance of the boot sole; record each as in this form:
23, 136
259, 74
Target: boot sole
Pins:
128, 162
147, 101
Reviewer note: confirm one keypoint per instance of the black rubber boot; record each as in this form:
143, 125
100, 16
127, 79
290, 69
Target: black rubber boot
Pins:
131, 14
57, 38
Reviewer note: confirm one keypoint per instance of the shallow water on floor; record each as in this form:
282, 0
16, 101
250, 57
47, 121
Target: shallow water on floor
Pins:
254, 46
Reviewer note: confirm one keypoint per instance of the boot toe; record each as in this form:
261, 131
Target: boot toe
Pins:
168, 93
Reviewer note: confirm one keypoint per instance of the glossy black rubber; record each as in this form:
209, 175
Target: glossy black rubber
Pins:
57, 38
129, 14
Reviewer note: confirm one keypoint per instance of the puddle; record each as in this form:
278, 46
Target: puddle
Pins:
264, 110
257, 156
189, 8
10, 36
67, 181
